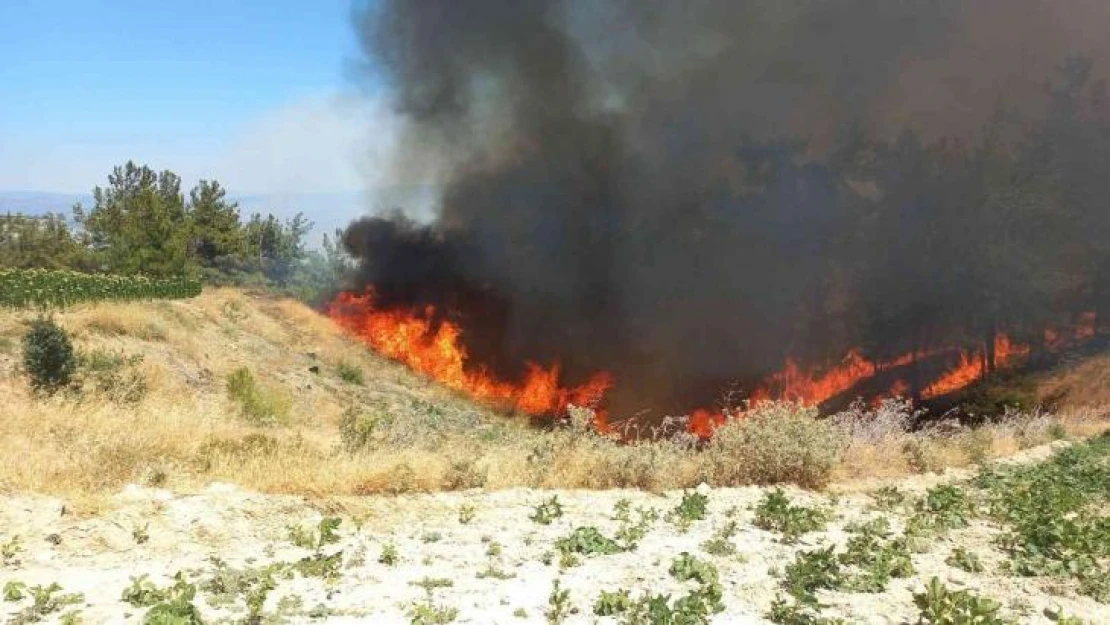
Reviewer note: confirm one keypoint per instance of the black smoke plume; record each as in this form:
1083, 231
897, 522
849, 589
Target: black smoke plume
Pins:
684, 193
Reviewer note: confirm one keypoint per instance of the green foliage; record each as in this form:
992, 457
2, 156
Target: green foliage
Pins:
692, 508
40, 242
388, 556
139, 223
13, 591
721, 543
39, 287
547, 511
1053, 511
812, 571
9, 551
876, 558
351, 374
632, 531
558, 604
45, 600
686, 567
467, 512
776, 513
323, 534
430, 584
427, 613
940, 606
587, 541
48, 356
946, 507
259, 405
965, 560
612, 603
786, 612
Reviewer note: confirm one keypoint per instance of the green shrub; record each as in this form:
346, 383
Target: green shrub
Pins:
777, 442
262, 406
350, 374
48, 356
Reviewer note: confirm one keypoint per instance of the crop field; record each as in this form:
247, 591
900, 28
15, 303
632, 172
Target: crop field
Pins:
40, 287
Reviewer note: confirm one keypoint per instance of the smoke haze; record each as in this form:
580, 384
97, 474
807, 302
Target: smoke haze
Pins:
686, 193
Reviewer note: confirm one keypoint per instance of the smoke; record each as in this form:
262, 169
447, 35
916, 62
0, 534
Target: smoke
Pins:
653, 188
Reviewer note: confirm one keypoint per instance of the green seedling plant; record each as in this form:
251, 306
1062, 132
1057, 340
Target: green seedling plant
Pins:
546, 512
14, 591
964, 560
938, 605
388, 556
558, 604
721, 544
45, 600
776, 513
692, 507
467, 513
428, 613
10, 550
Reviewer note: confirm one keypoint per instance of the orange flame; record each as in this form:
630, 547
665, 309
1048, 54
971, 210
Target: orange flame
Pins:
409, 338
972, 366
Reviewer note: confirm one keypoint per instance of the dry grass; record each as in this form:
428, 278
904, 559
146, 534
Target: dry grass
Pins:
400, 432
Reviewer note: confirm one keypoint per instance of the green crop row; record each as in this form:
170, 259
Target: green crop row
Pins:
40, 287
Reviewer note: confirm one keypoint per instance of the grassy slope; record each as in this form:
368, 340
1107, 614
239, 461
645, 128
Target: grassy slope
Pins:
186, 433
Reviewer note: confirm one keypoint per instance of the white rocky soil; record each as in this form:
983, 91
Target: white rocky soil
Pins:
158, 533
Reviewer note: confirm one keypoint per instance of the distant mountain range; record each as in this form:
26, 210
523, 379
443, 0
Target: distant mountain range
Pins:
328, 211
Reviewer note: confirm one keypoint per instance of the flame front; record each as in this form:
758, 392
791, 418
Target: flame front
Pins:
437, 351
410, 338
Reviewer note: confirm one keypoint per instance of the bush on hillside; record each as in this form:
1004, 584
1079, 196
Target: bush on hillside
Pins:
48, 356
258, 404
779, 442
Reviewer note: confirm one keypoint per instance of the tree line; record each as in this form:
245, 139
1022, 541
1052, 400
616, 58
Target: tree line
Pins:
142, 223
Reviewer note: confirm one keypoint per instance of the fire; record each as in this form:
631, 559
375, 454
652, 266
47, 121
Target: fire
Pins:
409, 337
973, 366
436, 350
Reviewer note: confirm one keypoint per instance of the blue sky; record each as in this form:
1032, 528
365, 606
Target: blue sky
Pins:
255, 93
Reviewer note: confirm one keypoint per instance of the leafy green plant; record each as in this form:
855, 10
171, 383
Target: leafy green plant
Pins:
775, 513
13, 591
45, 600
812, 571
940, 606
946, 507
691, 508
587, 541
965, 560
48, 356
547, 511
427, 613
174, 605
467, 512
686, 567
10, 550
721, 544
632, 531
558, 604
876, 558
140, 533
315, 538
612, 603
785, 612
388, 556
